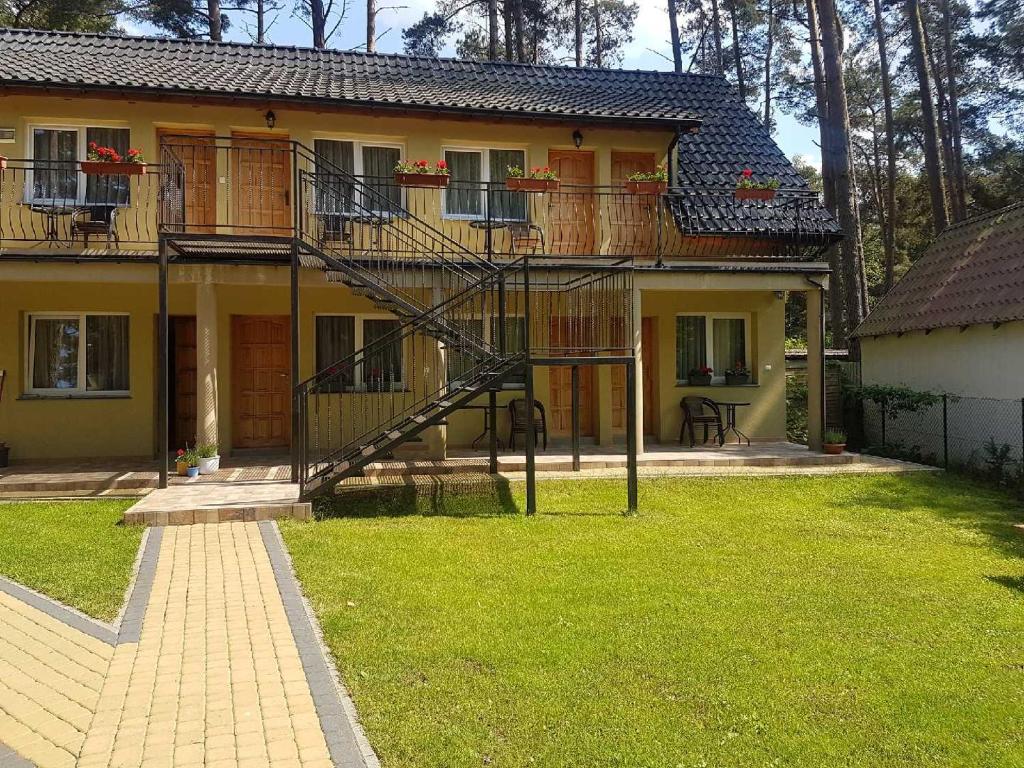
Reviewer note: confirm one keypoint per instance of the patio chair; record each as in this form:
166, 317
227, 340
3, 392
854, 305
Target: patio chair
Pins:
526, 238
517, 421
95, 221
703, 411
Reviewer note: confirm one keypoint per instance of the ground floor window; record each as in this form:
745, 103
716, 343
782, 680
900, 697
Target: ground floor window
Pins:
73, 353
462, 360
337, 339
717, 341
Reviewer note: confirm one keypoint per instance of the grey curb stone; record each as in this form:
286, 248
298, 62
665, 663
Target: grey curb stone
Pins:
346, 742
130, 630
62, 613
11, 759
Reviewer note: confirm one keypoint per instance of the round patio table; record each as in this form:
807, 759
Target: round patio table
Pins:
730, 421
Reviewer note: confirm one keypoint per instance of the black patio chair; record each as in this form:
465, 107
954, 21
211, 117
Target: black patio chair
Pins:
517, 421
703, 411
95, 221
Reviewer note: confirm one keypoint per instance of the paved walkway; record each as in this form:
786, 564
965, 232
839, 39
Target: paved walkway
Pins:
214, 663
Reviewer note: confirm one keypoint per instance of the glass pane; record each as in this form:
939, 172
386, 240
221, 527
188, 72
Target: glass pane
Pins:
333, 192
335, 342
106, 353
463, 197
510, 206
55, 175
691, 345
460, 360
55, 359
383, 366
730, 346
379, 169
107, 191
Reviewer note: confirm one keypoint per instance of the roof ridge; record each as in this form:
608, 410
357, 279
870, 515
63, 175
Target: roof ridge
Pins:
980, 217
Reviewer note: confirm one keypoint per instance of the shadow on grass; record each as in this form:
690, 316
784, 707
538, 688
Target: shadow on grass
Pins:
1015, 583
425, 495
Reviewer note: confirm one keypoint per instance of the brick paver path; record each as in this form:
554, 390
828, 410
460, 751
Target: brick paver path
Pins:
215, 679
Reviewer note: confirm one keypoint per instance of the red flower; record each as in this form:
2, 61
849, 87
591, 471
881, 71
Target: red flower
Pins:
92, 145
442, 164
747, 173
132, 152
181, 452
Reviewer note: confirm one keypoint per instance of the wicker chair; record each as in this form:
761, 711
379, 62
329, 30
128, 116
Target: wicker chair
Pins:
703, 411
517, 421
95, 221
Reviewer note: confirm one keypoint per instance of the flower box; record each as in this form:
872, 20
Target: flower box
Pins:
532, 185
833, 449
700, 380
746, 193
102, 168
737, 378
430, 180
646, 187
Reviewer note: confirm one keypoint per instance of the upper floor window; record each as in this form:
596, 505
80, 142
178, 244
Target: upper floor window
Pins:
478, 178
718, 341
75, 353
375, 163
56, 152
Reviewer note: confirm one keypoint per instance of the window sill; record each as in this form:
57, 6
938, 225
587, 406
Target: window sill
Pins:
716, 385
76, 396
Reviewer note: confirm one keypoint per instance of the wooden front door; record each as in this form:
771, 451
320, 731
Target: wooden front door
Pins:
571, 212
184, 380
261, 185
195, 151
559, 410
632, 219
649, 340
261, 381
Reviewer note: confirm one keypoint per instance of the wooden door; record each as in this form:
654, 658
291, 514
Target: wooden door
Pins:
571, 209
261, 185
184, 380
649, 340
261, 381
631, 219
559, 409
196, 153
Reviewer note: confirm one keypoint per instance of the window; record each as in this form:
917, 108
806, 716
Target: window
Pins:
374, 163
719, 341
478, 176
56, 179
65, 360
461, 361
337, 339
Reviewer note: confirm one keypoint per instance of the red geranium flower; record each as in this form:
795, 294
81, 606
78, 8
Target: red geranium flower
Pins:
747, 173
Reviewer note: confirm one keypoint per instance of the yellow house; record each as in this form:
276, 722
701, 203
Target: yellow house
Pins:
267, 280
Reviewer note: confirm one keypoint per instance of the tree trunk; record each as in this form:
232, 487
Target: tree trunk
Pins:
673, 25
889, 225
943, 121
838, 123
371, 26
509, 30
598, 35
492, 30
737, 54
770, 42
716, 30
884, 222
318, 20
577, 24
213, 9
958, 179
520, 30
933, 163
261, 22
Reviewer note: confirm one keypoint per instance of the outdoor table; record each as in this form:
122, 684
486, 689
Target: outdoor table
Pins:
52, 214
730, 421
487, 424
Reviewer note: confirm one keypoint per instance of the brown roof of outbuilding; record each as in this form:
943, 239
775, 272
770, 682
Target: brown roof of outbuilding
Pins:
972, 274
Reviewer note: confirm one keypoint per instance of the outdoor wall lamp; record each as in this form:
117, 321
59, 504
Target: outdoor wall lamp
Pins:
271, 118
577, 138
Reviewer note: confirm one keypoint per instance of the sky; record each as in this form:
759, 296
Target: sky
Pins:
650, 48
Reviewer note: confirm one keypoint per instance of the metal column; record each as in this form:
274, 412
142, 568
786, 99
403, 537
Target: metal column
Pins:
297, 432
631, 443
575, 418
163, 370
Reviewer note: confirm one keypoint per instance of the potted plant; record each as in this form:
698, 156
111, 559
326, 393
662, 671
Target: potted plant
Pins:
539, 179
749, 189
191, 457
648, 182
421, 174
209, 459
835, 442
700, 377
180, 462
107, 161
738, 374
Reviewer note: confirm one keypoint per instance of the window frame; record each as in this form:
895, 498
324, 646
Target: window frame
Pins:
718, 375
485, 179
81, 154
81, 390
358, 343
358, 171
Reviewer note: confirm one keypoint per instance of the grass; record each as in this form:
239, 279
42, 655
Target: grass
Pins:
866, 620
73, 551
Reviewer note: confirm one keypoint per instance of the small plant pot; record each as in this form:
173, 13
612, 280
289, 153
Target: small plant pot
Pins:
755, 194
96, 168
833, 449
428, 180
532, 185
646, 187
735, 379
699, 380
209, 466
3, 162
5, 454
192, 472
182, 467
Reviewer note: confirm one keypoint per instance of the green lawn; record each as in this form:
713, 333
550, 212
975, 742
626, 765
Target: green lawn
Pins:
73, 551
848, 621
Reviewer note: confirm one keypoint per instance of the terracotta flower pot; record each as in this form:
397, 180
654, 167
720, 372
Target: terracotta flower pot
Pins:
743, 193
430, 180
646, 187
99, 168
700, 380
181, 467
532, 185
833, 449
